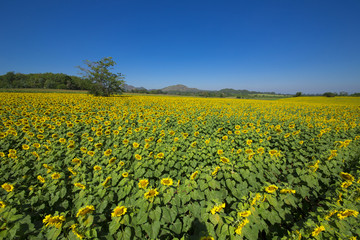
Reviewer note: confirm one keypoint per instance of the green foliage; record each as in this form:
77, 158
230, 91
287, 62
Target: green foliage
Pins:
102, 81
43, 81
329, 94
298, 94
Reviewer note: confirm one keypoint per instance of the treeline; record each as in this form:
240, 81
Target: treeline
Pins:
43, 80
334, 94
221, 93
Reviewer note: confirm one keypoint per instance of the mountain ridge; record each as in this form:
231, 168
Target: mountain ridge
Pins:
179, 88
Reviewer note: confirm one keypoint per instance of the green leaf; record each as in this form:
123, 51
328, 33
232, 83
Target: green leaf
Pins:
214, 184
14, 218
224, 230
195, 195
167, 197
114, 226
187, 220
127, 233
63, 192
273, 217
53, 233
89, 221
214, 218
155, 214
102, 206
166, 215
34, 200
142, 217
152, 229
176, 227
202, 185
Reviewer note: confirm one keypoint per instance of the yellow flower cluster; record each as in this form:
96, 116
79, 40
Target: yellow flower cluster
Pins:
85, 210
317, 230
143, 145
55, 221
119, 211
151, 194
8, 187
217, 208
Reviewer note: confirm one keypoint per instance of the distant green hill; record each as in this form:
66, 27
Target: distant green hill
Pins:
179, 88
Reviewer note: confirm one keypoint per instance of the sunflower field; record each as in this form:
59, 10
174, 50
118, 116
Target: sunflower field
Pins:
74, 166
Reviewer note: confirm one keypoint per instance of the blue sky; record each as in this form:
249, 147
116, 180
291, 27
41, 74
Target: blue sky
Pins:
283, 46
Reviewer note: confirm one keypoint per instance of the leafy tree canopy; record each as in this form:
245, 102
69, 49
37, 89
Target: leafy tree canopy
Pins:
103, 81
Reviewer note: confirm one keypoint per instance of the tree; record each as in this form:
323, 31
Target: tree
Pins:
329, 94
102, 81
298, 94
343, 93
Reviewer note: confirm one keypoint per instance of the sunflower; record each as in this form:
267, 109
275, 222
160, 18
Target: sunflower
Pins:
76, 161
287, 191
224, 160
273, 152
347, 177
107, 180
91, 153
317, 230
79, 185
8, 187
244, 213
160, 155
55, 175
72, 171
346, 184
151, 194
207, 238
55, 221
108, 152
98, 145
112, 160
136, 145
249, 151
41, 179
119, 211
215, 171
193, 176
239, 228
143, 183
25, 147
271, 189
217, 208
85, 210
37, 145
97, 168
346, 213
167, 181
260, 150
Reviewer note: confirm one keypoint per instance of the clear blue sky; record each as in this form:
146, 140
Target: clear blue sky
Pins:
284, 46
